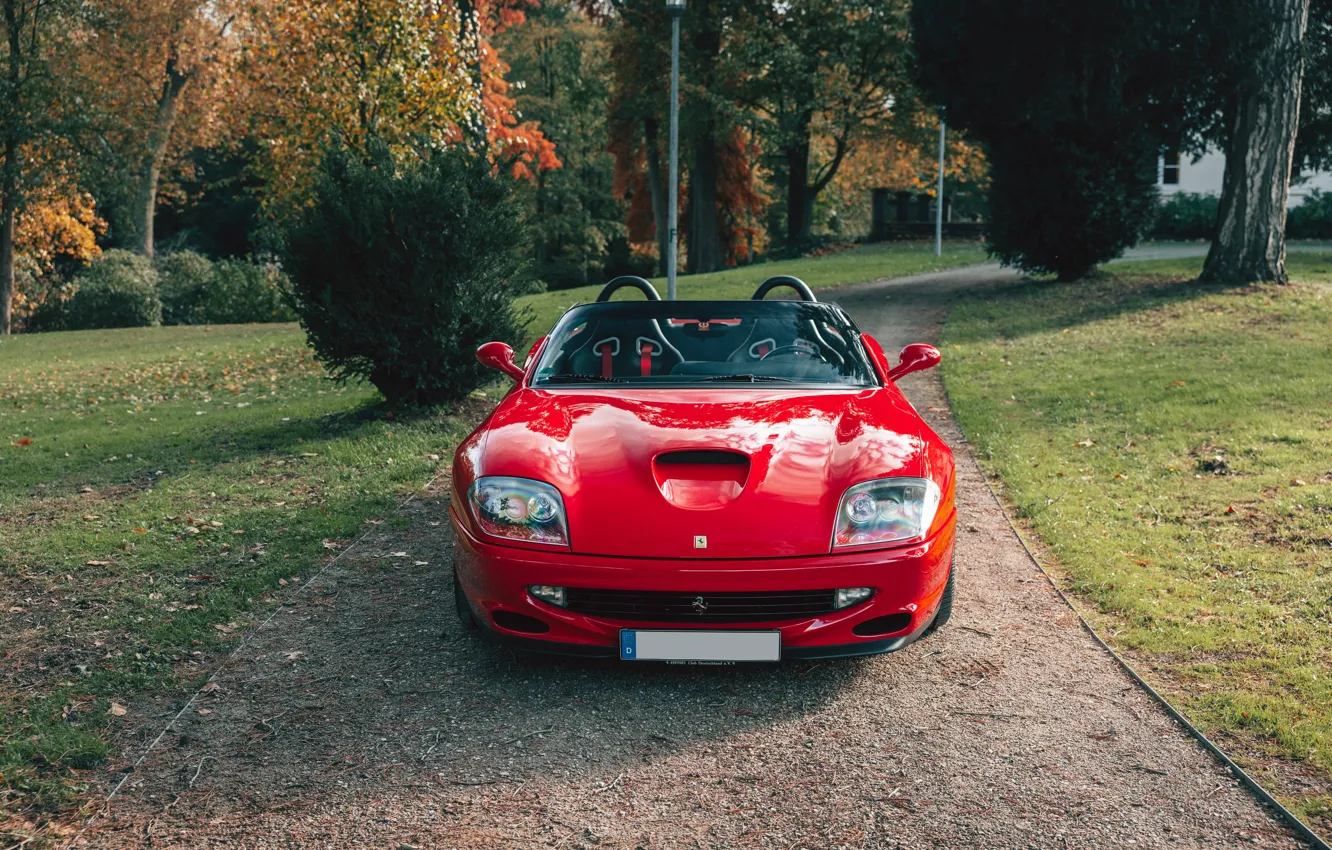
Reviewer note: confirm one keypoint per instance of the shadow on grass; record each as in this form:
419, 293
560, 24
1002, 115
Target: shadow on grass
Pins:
1034, 306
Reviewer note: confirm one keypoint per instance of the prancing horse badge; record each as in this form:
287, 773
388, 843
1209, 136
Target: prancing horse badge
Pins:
700, 542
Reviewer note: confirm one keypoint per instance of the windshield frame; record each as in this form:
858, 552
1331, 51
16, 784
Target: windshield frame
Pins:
831, 313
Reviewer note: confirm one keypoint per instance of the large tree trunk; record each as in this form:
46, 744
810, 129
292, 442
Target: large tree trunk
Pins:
705, 250
799, 198
1250, 241
159, 140
660, 213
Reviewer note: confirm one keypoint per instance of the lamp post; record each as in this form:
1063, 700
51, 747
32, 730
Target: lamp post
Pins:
676, 9
938, 206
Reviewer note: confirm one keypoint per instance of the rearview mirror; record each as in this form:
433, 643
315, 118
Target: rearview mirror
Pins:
915, 357
498, 355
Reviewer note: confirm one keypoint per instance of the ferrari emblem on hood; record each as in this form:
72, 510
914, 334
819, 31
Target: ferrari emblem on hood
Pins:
700, 604
700, 541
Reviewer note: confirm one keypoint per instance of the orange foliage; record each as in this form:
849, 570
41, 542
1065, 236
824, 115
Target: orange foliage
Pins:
740, 200
904, 156
55, 226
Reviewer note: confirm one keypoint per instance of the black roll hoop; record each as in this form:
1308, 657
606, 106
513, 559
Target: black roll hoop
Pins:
806, 294
628, 280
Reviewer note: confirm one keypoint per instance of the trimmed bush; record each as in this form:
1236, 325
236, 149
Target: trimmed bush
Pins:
1185, 215
183, 281
1311, 219
400, 270
117, 291
197, 291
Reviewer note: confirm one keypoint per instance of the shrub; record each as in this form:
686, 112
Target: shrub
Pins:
117, 291
400, 270
1311, 219
183, 281
1185, 215
244, 291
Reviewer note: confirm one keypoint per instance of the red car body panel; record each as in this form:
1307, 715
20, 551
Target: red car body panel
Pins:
768, 518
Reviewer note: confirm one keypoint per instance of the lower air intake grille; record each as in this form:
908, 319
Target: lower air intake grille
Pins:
673, 607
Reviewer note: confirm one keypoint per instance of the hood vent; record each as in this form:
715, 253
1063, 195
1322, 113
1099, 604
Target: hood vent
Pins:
700, 479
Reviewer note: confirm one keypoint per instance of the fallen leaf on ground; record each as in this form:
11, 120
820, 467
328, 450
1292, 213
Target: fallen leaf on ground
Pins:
1085, 443
98, 563
26, 441
117, 710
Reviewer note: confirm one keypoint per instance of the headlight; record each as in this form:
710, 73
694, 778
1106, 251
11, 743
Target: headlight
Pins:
519, 509
890, 510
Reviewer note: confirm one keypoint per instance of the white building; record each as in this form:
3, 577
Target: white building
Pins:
1203, 177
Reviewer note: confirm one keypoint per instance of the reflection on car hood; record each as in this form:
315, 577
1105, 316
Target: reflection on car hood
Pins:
792, 453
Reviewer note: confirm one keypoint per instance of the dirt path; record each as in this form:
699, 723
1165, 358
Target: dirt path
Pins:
362, 716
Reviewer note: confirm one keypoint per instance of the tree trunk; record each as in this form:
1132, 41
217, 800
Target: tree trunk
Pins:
1250, 241
9, 178
799, 198
159, 140
660, 213
7, 216
705, 251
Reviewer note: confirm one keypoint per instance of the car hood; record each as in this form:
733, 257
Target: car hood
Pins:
734, 473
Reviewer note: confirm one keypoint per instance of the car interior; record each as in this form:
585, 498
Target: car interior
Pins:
664, 342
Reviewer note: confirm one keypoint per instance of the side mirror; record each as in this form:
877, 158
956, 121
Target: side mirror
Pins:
914, 358
498, 355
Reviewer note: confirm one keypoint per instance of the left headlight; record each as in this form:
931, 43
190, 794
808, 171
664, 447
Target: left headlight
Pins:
889, 510
519, 509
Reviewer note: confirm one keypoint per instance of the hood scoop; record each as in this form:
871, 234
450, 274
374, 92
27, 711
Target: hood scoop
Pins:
700, 479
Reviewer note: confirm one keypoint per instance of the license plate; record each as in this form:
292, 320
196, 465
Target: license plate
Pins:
698, 645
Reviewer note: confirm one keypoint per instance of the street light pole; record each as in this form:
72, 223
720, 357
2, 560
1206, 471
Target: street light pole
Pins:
676, 9
939, 200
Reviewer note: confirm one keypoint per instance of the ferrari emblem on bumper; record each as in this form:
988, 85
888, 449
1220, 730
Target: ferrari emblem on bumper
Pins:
700, 541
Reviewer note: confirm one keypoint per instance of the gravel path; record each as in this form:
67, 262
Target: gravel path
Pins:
363, 716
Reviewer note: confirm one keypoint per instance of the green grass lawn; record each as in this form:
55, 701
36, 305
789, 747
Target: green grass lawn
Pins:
158, 488
1171, 445
856, 265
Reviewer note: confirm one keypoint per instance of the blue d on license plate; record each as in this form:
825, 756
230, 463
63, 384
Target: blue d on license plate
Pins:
699, 645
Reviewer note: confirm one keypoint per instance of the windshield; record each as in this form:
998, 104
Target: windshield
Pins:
677, 343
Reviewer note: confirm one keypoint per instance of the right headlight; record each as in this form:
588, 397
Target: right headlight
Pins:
889, 510
519, 509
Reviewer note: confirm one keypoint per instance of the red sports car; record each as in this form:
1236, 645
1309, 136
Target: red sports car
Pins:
705, 481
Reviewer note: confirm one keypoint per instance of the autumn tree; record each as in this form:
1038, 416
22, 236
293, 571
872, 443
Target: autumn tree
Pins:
560, 73
33, 118
820, 69
156, 70
411, 74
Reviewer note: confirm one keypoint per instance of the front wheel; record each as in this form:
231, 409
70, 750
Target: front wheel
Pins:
945, 611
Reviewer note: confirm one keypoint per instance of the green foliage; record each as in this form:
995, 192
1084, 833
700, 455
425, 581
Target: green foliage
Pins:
572, 214
119, 290
183, 279
1185, 215
247, 291
1104, 409
1311, 219
196, 291
1072, 101
401, 270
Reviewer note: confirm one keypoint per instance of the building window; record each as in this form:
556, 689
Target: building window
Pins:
1170, 169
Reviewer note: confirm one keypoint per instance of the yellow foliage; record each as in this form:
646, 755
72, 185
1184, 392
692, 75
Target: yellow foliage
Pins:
64, 226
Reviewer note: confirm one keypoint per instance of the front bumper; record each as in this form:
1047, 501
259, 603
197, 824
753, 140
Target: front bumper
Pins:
908, 580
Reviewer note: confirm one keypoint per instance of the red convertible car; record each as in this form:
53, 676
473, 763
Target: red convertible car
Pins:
702, 482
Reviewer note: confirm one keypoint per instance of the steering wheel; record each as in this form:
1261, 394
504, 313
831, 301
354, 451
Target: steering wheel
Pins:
783, 280
792, 349
628, 280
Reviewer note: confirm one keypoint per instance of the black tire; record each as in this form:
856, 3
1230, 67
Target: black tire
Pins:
463, 607
945, 611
